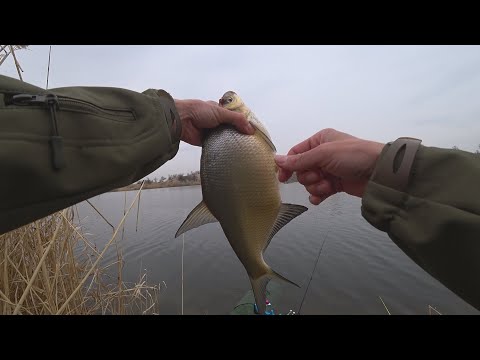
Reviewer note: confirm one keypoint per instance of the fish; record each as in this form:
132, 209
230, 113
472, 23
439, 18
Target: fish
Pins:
240, 190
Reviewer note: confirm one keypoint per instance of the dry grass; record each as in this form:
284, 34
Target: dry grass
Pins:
6, 50
431, 309
50, 267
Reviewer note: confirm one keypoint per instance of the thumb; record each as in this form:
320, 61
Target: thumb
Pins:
301, 162
236, 119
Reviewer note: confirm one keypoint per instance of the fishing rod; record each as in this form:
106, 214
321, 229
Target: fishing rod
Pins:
48, 69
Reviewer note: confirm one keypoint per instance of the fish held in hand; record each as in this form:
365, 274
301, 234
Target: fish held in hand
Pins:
241, 191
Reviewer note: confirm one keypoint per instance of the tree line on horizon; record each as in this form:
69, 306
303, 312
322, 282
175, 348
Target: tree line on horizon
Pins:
193, 176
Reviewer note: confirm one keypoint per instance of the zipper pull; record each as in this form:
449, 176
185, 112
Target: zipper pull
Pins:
56, 141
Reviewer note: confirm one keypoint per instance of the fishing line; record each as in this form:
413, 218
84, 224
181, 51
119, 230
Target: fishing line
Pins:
311, 276
183, 248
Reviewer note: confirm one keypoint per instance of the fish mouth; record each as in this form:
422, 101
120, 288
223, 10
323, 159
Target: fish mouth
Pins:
221, 101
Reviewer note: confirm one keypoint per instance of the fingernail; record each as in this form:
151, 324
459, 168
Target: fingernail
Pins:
280, 159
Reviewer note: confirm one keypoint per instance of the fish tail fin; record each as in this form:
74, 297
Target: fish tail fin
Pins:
278, 276
259, 286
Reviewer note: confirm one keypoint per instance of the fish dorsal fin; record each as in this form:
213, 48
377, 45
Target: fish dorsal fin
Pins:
287, 213
263, 135
199, 216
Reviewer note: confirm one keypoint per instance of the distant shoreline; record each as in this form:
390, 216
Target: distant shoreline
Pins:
162, 185
174, 183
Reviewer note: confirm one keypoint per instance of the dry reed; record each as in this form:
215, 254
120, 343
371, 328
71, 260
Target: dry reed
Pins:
50, 267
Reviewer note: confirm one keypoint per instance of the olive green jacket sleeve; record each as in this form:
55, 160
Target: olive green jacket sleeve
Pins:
435, 220
75, 143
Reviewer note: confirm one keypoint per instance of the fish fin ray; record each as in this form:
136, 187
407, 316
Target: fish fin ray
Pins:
199, 216
287, 213
283, 278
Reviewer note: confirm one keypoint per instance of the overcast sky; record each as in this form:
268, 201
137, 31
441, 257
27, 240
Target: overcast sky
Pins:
375, 92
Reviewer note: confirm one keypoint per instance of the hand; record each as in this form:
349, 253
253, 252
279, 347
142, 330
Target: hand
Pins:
329, 162
197, 115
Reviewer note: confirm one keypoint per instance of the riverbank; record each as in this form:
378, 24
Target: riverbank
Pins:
157, 185
175, 183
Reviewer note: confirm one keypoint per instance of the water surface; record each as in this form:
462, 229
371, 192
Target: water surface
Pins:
357, 264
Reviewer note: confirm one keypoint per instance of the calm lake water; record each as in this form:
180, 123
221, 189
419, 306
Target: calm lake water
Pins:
358, 264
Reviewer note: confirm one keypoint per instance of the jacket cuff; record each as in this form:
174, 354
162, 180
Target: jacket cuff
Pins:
385, 192
166, 103
395, 163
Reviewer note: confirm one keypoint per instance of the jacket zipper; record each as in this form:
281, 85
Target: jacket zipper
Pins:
55, 103
79, 105
56, 141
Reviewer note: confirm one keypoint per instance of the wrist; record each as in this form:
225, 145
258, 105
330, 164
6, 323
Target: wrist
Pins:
375, 150
184, 109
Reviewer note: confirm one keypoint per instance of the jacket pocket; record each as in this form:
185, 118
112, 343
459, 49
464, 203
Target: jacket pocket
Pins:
58, 117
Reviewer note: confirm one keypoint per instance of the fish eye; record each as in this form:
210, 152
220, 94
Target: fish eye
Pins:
229, 100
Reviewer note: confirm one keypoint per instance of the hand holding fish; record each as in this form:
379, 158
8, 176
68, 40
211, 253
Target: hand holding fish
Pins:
330, 162
197, 115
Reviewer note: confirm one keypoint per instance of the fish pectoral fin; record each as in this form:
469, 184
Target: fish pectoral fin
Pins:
287, 213
199, 216
264, 136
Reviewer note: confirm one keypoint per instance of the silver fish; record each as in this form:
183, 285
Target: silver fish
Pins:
241, 191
